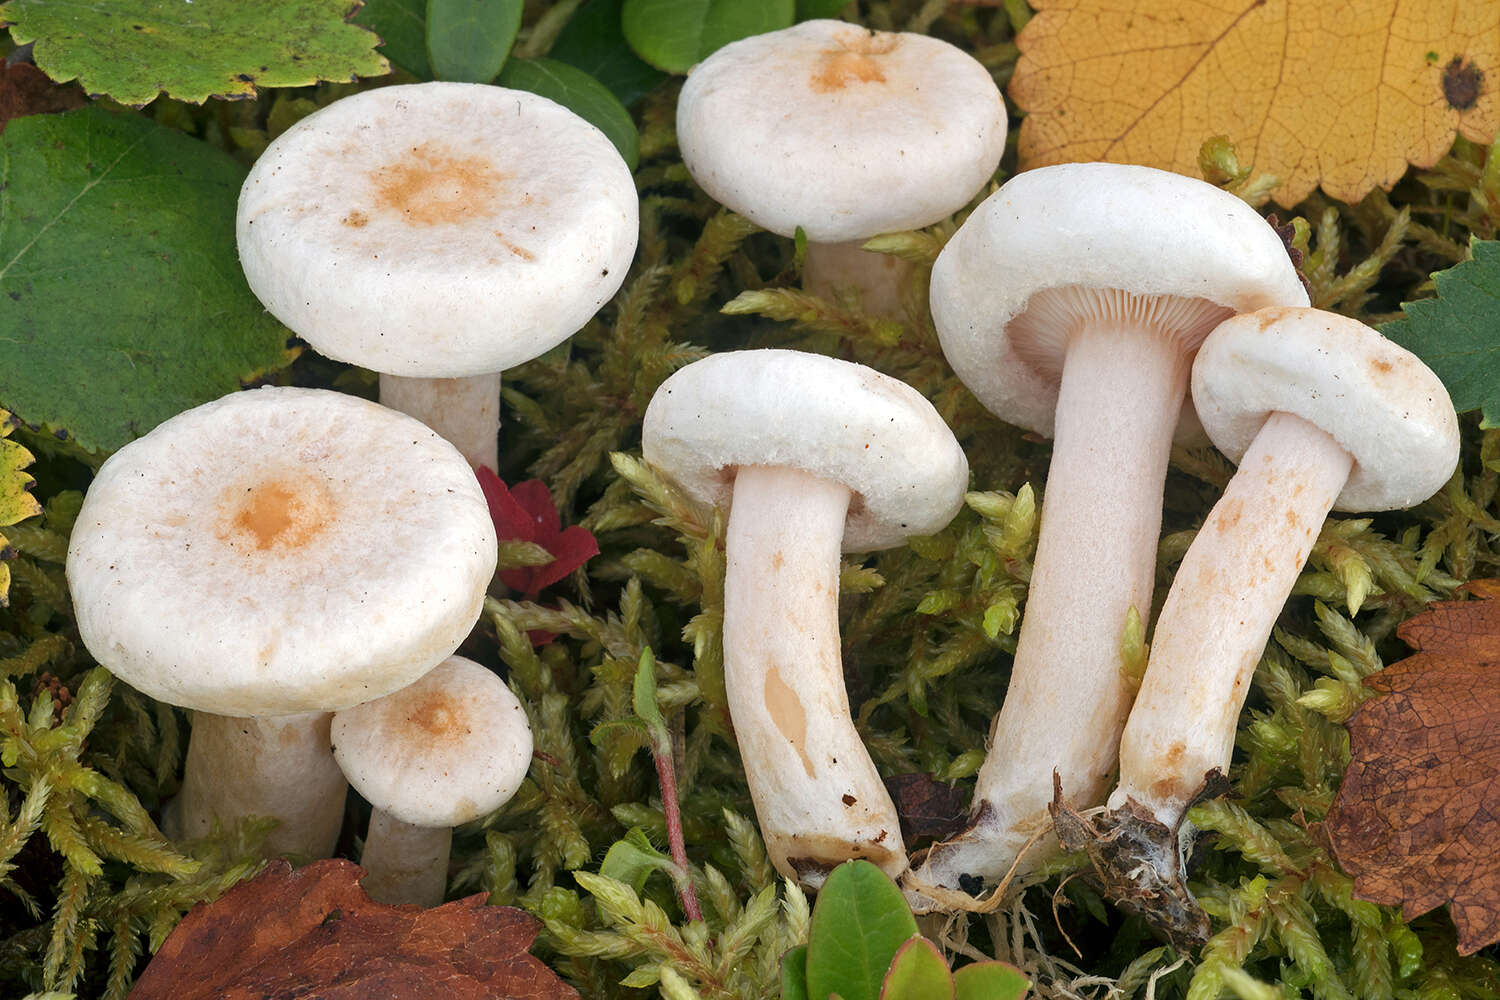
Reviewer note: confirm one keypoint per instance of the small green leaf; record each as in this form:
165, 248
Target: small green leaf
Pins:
860, 921
918, 972
808, 10
580, 93
675, 35
594, 42
133, 50
989, 981
1455, 334
121, 295
402, 27
468, 40
632, 859
794, 974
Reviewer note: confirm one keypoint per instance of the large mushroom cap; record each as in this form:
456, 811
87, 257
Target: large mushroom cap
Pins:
843, 131
830, 418
1108, 227
280, 551
437, 230
448, 749
1376, 399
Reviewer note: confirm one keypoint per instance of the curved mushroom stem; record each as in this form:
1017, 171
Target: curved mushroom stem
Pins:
1219, 613
879, 277
464, 411
405, 863
817, 795
281, 766
1121, 392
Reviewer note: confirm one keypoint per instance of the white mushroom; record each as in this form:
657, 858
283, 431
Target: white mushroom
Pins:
1071, 302
450, 748
811, 456
265, 559
1320, 411
845, 132
438, 233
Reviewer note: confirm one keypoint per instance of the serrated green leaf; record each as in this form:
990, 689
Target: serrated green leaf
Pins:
860, 921
594, 42
16, 501
402, 27
581, 94
794, 974
674, 35
989, 981
918, 972
1455, 334
632, 859
120, 291
468, 40
133, 50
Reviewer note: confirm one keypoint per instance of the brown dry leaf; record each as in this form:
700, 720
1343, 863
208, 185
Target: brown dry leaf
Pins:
1340, 95
928, 807
1417, 821
313, 934
26, 90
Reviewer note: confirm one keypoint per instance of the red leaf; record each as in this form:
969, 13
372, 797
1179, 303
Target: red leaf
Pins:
574, 547
314, 934
512, 520
525, 512
546, 522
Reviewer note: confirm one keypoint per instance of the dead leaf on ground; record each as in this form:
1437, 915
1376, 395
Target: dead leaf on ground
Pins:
1417, 821
1343, 96
927, 807
314, 934
26, 90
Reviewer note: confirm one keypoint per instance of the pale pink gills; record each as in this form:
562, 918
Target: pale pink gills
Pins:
1072, 302
811, 457
1321, 412
268, 558
439, 232
452, 747
845, 132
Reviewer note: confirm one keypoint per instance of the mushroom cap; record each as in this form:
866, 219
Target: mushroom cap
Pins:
1104, 226
829, 418
1377, 400
437, 230
453, 746
846, 132
280, 551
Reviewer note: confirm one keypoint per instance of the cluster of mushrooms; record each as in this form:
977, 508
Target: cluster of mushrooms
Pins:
298, 566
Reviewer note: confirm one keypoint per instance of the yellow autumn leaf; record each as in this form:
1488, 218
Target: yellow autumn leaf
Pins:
1314, 92
16, 504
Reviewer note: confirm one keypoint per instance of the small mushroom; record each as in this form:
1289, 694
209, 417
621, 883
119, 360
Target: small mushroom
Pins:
449, 749
1320, 412
438, 233
265, 559
811, 457
1071, 302
845, 132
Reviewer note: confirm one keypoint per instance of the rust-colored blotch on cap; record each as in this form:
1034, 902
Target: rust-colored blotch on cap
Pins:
852, 61
438, 714
274, 513
430, 187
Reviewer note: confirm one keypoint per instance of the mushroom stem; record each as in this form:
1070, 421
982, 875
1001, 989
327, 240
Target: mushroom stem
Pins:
879, 277
1219, 613
464, 411
1120, 396
280, 766
816, 791
405, 863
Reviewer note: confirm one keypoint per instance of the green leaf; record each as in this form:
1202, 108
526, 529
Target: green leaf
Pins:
990, 981
1455, 334
133, 50
468, 40
674, 35
809, 10
918, 972
121, 295
402, 27
594, 42
632, 859
580, 93
860, 921
794, 974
